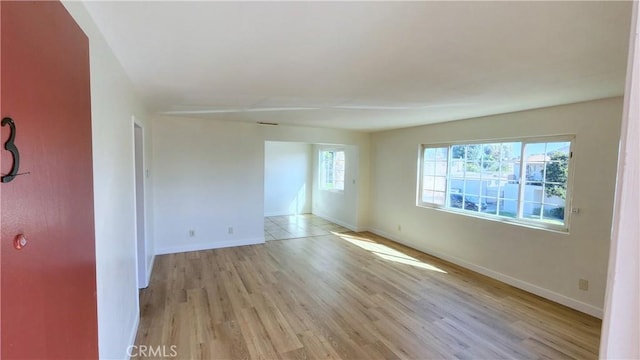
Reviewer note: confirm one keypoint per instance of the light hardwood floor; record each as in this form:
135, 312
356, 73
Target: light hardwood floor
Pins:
350, 296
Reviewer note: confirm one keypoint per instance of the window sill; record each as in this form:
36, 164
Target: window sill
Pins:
518, 222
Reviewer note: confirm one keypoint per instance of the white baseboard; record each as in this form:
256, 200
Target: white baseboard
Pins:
284, 213
534, 289
132, 336
277, 213
208, 246
339, 222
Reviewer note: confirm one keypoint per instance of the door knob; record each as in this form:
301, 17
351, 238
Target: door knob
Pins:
19, 242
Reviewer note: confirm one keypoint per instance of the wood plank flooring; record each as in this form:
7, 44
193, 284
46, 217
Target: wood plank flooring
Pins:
348, 296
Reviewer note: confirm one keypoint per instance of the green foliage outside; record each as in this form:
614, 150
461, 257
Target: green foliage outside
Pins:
487, 157
557, 172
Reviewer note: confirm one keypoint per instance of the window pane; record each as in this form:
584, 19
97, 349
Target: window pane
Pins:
555, 193
472, 186
434, 171
339, 165
435, 168
533, 191
533, 149
428, 182
483, 175
534, 170
430, 154
490, 168
440, 183
441, 168
547, 165
557, 170
439, 197
442, 154
427, 196
326, 169
473, 203
457, 168
472, 166
489, 155
455, 200
508, 208
473, 152
457, 152
489, 205
562, 147
554, 214
429, 168
531, 210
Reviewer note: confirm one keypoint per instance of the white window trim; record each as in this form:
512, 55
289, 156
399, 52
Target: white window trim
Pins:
321, 183
563, 229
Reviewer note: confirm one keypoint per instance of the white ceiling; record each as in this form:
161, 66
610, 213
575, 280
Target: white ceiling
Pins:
366, 65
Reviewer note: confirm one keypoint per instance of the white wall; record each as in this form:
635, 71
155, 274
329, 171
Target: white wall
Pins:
543, 262
287, 178
208, 178
113, 103
340, 207
621, 325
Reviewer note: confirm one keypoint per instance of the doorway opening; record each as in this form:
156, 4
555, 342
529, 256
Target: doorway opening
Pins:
304, 181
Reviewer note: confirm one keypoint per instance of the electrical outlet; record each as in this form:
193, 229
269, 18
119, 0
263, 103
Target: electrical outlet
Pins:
230, 230
583, 284
192, 233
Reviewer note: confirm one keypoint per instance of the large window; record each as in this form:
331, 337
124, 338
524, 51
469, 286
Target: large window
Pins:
332, 170
525, 181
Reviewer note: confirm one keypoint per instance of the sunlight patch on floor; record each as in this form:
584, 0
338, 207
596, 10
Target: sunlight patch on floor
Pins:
387, 253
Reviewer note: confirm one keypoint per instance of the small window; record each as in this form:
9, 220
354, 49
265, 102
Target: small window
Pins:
525, 181
332, 164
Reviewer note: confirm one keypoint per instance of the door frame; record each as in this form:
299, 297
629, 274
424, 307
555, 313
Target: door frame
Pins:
139, 198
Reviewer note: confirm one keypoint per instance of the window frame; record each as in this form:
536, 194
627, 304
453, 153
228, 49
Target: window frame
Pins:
518, 220
322, 171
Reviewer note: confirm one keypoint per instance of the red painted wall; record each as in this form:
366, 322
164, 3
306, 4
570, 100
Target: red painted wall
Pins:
48, 289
